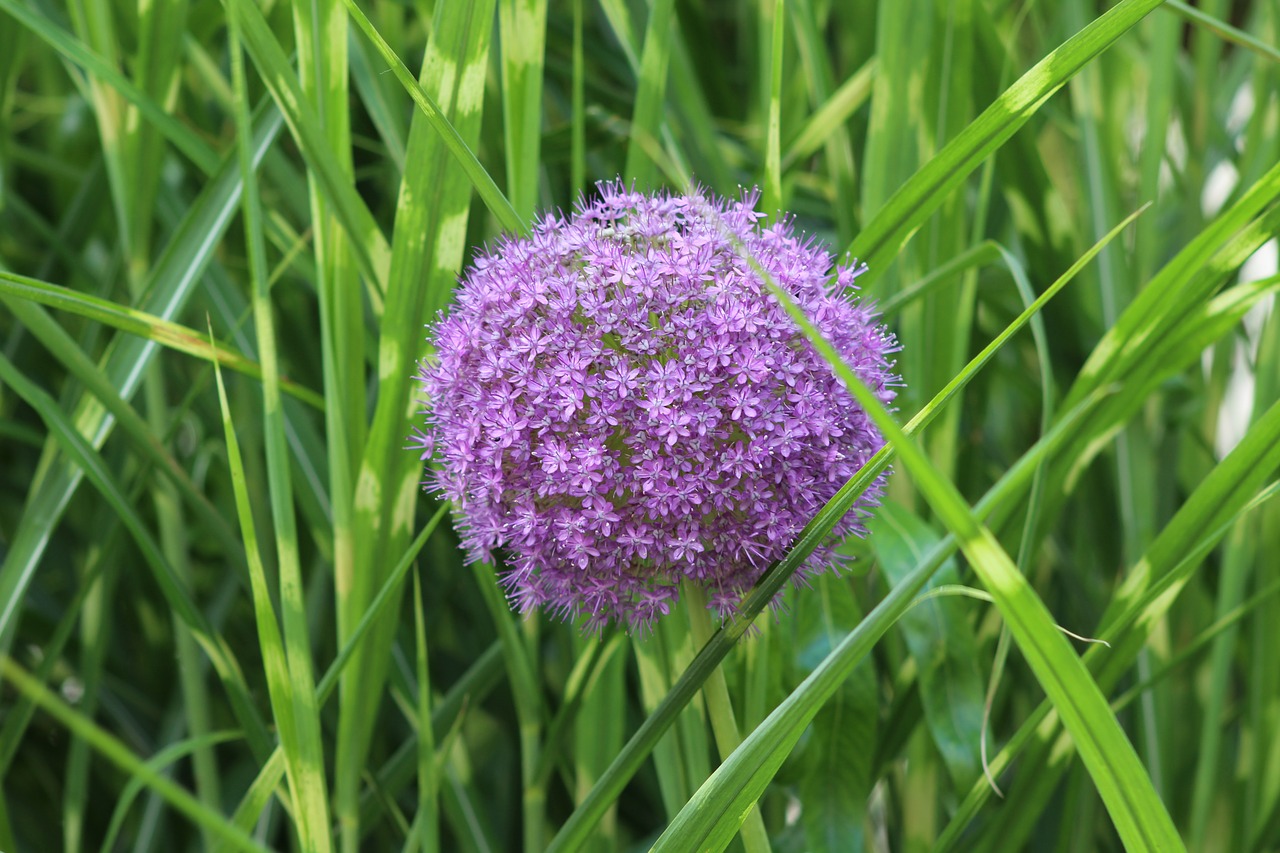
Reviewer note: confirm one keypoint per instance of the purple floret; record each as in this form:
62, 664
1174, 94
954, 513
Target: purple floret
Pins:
619, 403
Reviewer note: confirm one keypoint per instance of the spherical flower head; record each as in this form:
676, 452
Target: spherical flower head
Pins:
619, 403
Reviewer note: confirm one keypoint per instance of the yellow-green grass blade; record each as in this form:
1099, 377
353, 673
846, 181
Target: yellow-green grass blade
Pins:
488, 191
651, 89
1222, 624
163, 759
827, 120
366, 241
89, 462
182, 137
1231, 488
298, 699
275, 659
173, 280
428, 243
774, 13
320, 36
1158, 341
1188, 279
155, 65
167, 333
906, 210
118, 754
273, 768
522, 27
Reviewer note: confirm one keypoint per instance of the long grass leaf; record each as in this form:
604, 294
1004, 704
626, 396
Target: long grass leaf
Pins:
906, 210
118, 754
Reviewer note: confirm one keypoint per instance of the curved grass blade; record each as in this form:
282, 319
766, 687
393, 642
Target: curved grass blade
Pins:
273, 769
172, 281
367, 242
907, 209
1151, 588
118, 754
90, 463
497, 203
167, 333
166, 757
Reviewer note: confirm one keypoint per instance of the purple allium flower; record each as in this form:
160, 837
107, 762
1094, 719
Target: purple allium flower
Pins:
619, 403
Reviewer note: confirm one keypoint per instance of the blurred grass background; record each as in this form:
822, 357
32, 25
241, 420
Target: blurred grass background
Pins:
208, 635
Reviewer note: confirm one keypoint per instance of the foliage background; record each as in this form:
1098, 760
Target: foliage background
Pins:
209, 634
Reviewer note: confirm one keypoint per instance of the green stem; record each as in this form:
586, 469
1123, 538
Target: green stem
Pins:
715, 692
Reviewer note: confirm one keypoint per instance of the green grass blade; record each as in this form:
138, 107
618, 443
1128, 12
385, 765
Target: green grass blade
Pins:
493, 198
87, 460
173, 279
275, 658
273, 769
941, 641
298, 699
425, 835
651, 91
522, 25
1145, 597
118, 754
1123, 783
164, 758
1186, 280
167, 333
906, 210
367, 242
432, 214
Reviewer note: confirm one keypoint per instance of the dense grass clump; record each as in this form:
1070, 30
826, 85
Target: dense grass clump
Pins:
230, 618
